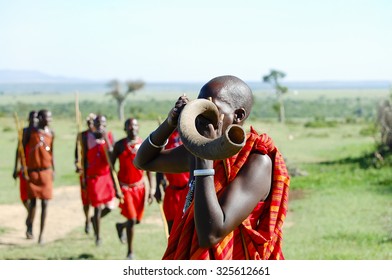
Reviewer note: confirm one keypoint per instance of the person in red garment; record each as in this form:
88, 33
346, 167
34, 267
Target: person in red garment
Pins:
132, 183
81, 166
236, 206
33, 121
175, 186
100, 186
40, 166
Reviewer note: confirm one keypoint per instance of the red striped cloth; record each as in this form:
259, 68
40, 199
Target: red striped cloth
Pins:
260, 235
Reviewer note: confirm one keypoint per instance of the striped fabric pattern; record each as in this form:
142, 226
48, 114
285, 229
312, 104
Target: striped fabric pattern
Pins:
260, 235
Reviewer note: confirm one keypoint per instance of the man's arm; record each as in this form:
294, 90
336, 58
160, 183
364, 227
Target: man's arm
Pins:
153, 158
78, 143
151, 189
117, 150
51, 149
216, 217
109, 138
15, 173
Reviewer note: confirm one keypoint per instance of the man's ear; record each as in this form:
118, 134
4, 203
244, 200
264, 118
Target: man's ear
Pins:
239, 115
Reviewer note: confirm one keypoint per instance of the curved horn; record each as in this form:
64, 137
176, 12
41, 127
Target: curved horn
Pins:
229, 144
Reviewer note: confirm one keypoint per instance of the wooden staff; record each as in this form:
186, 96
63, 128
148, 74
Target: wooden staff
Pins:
20, 147
114, 173
163, 216
80, 153
166, 228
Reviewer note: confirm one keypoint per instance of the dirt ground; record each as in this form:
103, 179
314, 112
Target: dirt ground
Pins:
65, 206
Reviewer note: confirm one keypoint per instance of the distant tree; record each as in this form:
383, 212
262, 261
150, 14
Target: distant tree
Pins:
274, 78
119, 96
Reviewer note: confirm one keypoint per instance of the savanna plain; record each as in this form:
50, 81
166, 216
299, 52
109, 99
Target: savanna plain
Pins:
340, 201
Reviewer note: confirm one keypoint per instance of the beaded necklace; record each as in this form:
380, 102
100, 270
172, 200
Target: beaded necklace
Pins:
189, 196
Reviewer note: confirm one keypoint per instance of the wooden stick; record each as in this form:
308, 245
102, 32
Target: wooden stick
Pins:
166, 228
80, 162
20, 147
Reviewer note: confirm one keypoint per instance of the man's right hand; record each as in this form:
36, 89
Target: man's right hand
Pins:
172, 118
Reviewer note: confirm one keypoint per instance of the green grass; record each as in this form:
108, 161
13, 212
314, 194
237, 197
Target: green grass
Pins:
149, 242
341, 210
345, 214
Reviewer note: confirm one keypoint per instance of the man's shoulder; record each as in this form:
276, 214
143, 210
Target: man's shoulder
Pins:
120, 144
121, 141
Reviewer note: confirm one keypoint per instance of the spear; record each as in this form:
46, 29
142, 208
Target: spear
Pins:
166, 228
79, 148
20, 147
163, 216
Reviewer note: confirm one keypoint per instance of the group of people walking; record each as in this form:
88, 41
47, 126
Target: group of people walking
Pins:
96, 154
224, 208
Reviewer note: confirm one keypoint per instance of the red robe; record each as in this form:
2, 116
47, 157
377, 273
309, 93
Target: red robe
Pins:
39, 165
259, 236
131, 181
100, 187
175, 192
22, 180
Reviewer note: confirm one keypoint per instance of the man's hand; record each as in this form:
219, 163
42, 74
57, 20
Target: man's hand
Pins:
158, 196
119, 195
174, 113
15, 174
207, 129
150, 198
77, 168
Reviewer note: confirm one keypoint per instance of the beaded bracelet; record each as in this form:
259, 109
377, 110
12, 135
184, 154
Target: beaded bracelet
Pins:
203, 172
156, 146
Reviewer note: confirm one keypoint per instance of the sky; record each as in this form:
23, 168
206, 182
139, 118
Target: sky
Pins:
194, 41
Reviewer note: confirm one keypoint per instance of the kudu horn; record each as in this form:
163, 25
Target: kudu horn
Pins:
229, 144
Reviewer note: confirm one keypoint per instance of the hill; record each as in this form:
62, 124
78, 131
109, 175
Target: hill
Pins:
32, 76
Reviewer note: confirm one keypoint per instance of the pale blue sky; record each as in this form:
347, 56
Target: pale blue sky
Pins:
178, 40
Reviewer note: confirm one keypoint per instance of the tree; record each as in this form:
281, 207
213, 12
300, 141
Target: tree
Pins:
132, 87
273, 78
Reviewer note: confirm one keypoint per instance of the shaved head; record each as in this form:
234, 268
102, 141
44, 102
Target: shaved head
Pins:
230, 90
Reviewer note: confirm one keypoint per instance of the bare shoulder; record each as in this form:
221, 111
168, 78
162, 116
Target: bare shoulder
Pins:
119, 146
256, 174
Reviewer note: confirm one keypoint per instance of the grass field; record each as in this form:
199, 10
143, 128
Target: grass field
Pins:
342, 209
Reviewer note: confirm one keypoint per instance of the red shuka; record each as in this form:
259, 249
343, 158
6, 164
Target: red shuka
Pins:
175, 192
100, 187
39, 165
259, 236
131, 181
22, 181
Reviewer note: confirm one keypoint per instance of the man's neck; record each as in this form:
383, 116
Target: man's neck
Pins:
43, 127
131, 140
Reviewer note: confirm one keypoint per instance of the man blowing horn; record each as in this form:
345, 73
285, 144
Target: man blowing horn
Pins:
235, 206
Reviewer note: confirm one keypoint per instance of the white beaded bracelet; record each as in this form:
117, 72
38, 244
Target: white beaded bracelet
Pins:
203, 172
156, 146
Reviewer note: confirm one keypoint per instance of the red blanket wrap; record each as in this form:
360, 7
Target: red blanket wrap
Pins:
259, 236
132, 182
100, 187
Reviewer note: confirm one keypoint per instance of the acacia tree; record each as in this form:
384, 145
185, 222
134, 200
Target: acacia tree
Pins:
120, 97
274, 78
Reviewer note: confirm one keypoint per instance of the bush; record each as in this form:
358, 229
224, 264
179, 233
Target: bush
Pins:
320, 122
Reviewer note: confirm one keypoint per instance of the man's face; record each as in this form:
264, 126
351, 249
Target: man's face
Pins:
46, 118
33, 119
100, 124
223, 108
90, 125
132, 128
